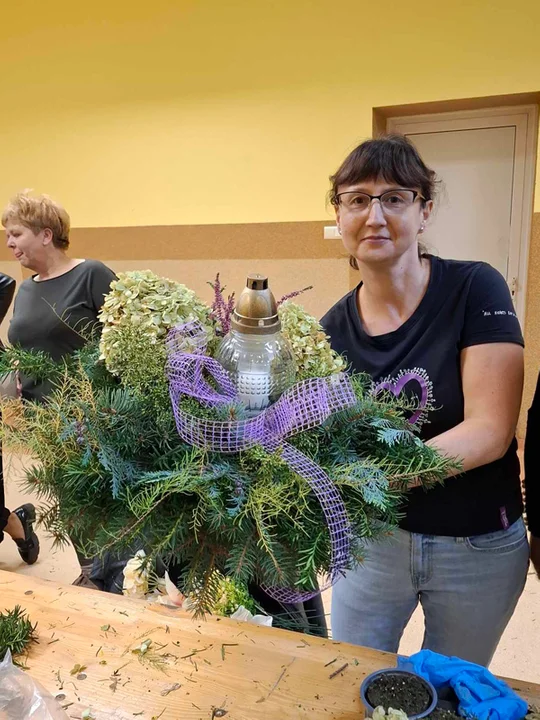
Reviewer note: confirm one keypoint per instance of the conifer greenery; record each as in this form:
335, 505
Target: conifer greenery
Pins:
113, 474
16, 632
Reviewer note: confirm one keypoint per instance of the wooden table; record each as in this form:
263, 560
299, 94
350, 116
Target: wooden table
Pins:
193, 670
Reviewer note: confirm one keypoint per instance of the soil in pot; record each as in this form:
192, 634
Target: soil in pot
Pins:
408, 693
439, 714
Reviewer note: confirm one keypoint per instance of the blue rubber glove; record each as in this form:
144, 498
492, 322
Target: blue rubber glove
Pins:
481, 695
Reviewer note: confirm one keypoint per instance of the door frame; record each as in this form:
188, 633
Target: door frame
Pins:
525, 119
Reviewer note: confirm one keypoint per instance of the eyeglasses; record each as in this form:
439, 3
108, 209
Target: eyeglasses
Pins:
393, 202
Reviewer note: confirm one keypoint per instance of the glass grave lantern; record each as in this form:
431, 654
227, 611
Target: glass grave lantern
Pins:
258, 357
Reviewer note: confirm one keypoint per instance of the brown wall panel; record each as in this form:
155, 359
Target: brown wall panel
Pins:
194, 242
293, 255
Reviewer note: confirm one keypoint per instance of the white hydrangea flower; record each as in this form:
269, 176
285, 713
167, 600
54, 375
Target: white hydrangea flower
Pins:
380, 714
136, 576
314, 356
243, 615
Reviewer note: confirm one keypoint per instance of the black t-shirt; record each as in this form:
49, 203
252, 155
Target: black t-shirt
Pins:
57, 315
466, 303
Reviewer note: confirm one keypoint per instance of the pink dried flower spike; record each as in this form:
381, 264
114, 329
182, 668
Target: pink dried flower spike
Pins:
293, 294
221, 309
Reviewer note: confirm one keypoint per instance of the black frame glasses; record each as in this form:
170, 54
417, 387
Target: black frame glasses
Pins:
336, 200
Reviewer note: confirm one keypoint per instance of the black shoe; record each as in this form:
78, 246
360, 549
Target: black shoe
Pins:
29, 547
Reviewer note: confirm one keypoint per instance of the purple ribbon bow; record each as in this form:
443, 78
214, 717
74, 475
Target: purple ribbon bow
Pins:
306, 405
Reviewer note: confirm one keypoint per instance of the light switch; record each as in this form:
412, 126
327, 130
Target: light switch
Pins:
331, 233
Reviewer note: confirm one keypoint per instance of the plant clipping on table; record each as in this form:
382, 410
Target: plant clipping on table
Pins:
16, 632
114, 473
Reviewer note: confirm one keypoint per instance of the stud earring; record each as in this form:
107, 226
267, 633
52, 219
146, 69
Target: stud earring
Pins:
422, 228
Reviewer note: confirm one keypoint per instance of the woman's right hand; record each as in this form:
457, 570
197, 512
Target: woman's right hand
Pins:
535, 554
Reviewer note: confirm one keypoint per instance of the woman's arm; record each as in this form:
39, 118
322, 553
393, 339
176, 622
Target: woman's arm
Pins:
492, 378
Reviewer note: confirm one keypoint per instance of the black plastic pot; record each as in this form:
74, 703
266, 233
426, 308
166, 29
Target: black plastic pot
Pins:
402, 674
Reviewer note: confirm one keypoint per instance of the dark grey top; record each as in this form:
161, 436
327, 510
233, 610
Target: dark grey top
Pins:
56, 315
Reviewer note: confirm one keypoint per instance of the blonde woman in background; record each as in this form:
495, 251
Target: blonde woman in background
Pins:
57, 308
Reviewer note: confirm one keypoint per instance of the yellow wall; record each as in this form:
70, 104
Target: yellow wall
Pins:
171, 112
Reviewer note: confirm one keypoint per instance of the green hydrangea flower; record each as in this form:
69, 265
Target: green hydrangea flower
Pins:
314, 356
142, 303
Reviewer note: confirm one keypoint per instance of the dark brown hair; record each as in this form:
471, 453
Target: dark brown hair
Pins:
394, 159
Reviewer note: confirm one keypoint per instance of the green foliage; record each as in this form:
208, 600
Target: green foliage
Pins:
35, 364
16, 632
233, 594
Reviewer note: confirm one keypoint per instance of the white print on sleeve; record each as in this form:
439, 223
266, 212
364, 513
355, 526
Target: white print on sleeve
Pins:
489, 313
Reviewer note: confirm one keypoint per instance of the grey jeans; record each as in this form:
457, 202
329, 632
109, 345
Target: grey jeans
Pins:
468, 588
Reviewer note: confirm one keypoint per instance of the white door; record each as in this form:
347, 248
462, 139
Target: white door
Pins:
485, 161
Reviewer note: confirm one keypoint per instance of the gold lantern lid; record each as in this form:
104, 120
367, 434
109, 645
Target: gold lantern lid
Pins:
256, 310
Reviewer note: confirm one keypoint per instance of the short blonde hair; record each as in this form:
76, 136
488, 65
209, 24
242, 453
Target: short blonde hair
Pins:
39, 213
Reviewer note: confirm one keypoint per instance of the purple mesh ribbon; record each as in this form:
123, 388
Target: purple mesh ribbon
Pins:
306, 405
